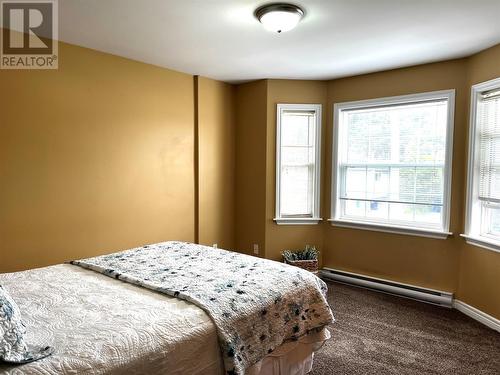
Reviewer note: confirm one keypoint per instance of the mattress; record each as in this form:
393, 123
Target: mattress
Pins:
98, 325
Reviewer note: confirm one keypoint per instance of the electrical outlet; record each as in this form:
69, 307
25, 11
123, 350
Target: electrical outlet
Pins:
214, 246
256, 248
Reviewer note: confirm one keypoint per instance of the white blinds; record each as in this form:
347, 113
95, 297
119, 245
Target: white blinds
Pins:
392, 162
297, 155
488, 122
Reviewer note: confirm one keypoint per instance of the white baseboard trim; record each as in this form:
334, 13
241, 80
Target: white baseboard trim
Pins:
477, 314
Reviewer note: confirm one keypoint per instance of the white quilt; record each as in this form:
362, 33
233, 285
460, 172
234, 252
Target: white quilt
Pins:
98, 325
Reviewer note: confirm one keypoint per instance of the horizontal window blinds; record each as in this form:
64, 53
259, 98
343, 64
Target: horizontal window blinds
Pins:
392, 161
488, 121
298, 151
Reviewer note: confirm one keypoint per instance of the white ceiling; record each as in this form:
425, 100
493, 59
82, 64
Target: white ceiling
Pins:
221, 39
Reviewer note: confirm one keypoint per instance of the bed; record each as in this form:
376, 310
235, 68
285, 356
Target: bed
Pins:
98, 324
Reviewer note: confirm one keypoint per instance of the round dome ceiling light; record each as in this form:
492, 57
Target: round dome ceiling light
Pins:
279, 17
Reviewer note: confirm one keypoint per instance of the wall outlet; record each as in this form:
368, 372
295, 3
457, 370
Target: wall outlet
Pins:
214, 246
256, 248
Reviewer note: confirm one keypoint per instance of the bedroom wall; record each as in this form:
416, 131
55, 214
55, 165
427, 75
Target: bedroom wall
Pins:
470, 272
216, 163
250, 182
420, 261
281, 237
480, 268
108, 153
98, 156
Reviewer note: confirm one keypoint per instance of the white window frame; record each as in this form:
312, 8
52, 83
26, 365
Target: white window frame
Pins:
335, 218
315, 219
473, 210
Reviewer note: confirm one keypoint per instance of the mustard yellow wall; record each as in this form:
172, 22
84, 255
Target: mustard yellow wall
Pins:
473, 274
281, 237
416, 260
479, 283
216, 163
421, 261
250, 143
98, 156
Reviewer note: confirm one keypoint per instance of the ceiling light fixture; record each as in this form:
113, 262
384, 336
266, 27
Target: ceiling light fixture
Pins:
279, 17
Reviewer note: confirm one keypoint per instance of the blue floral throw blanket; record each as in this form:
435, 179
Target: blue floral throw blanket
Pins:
256, 304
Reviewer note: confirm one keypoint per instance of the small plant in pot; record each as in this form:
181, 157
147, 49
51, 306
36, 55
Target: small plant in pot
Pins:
306, 259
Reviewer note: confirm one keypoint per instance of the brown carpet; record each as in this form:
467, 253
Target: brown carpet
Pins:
376, 333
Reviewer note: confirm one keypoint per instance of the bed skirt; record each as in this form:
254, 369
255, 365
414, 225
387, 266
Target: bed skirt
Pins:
291, 358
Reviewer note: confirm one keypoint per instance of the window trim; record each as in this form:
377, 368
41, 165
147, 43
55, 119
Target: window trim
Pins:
315, 219
476, 239
336, 220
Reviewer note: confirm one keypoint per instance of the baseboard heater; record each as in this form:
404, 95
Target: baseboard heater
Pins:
435, 297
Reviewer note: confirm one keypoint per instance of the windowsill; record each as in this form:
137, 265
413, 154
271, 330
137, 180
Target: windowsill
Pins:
420, 232
297, 220
484, 242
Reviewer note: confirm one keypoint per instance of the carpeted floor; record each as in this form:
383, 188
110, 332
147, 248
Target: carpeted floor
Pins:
376, 333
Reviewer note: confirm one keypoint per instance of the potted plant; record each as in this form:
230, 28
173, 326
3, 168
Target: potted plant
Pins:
306, 259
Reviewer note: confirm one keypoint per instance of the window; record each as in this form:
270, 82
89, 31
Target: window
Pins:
482, 226
392, 164
298, 140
